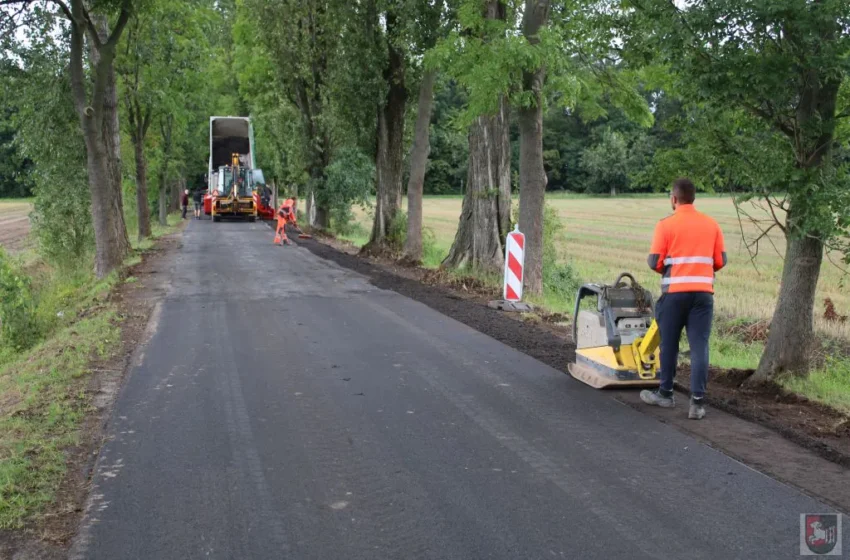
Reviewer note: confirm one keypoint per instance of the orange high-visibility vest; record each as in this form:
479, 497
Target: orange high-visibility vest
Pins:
286, 213
687, 249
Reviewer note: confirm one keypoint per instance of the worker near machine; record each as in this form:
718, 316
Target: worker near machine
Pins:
687, 250
184, 202
285, 215
198, 198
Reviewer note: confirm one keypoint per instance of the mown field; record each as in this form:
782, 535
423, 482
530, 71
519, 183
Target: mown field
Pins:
14, 223
604, 236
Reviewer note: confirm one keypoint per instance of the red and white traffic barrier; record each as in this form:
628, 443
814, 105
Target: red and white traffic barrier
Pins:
514, 262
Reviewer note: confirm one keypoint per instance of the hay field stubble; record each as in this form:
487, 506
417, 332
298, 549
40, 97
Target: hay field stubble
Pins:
603, 237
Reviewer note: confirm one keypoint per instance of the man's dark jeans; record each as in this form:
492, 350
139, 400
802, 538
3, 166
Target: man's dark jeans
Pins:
693, 311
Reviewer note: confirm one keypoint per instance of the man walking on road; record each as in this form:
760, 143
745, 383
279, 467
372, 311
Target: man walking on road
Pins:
687, 249
198, 198
184, 202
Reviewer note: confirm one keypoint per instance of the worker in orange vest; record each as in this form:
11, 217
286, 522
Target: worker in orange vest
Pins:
285, 215
687, 250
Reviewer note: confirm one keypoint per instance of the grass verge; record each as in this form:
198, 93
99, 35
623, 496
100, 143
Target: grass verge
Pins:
43, 402
829, 384
44, 394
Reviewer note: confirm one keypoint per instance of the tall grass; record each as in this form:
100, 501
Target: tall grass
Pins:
42, 386
828, 384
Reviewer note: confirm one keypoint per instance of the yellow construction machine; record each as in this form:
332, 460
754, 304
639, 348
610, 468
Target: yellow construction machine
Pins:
617, 338
234, 196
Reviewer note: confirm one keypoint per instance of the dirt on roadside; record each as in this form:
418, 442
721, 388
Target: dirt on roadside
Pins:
47, 537
808, 423
815, 427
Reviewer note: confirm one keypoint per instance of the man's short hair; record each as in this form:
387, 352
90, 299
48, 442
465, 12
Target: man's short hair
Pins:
684, 190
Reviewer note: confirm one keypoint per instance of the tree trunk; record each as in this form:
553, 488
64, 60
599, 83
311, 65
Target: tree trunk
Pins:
112, 141
485, 216
97, 109
418, 163
791, 337
323, 218
613, 190
163, 206
176, 192
532, 175
166, 126
318, 214
163, 194
142, 207
390, 149
110, 249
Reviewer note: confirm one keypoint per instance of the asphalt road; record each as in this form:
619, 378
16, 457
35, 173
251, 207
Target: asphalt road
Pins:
286, 408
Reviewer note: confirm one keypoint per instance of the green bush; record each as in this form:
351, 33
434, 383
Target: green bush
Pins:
49, 134
342, 221
18, 325
348, 181
397, 233
559, 278
60, 295
432, 254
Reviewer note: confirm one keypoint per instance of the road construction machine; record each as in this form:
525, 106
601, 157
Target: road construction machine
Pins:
234, 193
617, 338
235, 187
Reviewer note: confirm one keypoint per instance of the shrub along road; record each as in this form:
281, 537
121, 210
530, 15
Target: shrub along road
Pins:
286, 407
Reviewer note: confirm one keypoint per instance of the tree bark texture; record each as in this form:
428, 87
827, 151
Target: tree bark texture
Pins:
486, 213
98, 113
321, 217
791, 337
139, 118
139, 123
112, 137
162, 202
390, 142
418, 164
177, 188
142, 208
532, 175
166, 127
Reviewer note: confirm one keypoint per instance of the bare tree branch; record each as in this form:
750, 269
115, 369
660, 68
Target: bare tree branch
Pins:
83, 18
744, 236
775, 218
844, 271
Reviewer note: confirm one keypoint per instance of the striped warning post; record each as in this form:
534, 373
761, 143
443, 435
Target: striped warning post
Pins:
514, 261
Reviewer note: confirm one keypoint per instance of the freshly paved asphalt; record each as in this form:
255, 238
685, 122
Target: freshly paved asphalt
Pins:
286, 408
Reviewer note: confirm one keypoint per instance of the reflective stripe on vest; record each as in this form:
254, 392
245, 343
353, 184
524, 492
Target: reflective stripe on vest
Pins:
688, 280
688, 260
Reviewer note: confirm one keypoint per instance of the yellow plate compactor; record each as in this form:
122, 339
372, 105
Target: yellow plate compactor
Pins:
616, 340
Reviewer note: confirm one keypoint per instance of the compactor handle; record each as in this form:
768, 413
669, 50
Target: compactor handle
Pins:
625, 275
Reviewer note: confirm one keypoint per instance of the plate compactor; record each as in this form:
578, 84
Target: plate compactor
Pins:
617, 343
